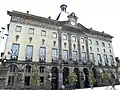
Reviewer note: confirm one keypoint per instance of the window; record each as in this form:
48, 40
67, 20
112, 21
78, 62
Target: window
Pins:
43, 33
97, 43
82, 48
42, 52
18, 28
28, 69
99, 58
82, 40
74, 46
29, 52
110, 51
103, 44
65, 55
109, 45
42, 80
42, 69
74, 55
65, 45
54, 54
54, 43
54, 35
90, 41
111, 59
64, 36
106, 59
15, 51
91, 49
43, 41
27, 80
104, 50
92, 57
31, 30
73, 38
11, 80
97, 49
83, 57
12, 68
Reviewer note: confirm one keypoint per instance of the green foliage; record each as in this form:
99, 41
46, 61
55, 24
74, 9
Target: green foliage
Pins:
92, 78
72, 78
105, 76
35, 79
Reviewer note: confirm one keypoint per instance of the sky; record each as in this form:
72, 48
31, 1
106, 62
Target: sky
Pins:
101, 15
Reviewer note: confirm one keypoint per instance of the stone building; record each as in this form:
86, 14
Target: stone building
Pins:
56, 47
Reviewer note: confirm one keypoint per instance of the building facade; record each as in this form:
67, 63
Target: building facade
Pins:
56, 47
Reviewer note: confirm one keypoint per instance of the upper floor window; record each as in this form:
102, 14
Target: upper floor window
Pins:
29, 52
11, 80
12, 68
54, 54
43, 41
73, 38
99, 58
92, 57
15, 51
43, 33
83, 48
103, 44
43, 52
97, 43
74, 55
111, 59
65, 45
106, 59
64, 36
31, 30
18, 28
27, 80
110, 51
97, 49
83, 57
109, 45
82, 40
54, 43
54, 35
74, 46
42, 69
90, 41
28, 68
65, 54
104, 50
91, 49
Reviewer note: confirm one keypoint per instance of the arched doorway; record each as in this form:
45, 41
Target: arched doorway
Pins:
54, 82
95, 76
65, 75
76, 70
86, 82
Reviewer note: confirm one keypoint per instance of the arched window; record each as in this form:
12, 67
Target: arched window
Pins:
12, 68
42, 69
28, 69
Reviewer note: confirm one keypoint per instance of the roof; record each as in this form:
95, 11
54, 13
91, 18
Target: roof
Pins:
55, 22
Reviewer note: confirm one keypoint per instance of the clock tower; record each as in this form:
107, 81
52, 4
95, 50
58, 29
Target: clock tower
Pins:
72, 19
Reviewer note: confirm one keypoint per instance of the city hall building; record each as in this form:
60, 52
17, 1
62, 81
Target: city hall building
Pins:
53, 49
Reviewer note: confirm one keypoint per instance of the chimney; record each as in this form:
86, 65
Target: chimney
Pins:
27, 12
63, 7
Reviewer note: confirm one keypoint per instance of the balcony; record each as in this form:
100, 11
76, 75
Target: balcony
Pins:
42, 59
13, 57
29, 59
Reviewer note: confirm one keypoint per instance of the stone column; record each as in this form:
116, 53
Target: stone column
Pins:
60, 77
70, 46
60, 45
87, 50
79, 50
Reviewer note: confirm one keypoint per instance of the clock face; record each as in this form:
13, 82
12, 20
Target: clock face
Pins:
73, 23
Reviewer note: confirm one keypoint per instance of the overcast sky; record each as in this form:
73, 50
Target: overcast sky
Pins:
101, 15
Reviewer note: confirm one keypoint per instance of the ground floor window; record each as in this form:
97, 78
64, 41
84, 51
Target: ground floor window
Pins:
27, 80
11, 80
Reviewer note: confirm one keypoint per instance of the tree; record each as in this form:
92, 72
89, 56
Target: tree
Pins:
36, 79
105, 77
72, 78
92, 78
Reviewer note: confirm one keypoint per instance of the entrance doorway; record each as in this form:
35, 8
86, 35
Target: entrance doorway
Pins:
77, 85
